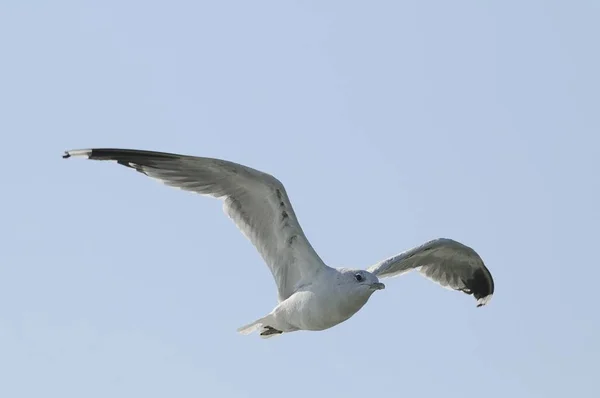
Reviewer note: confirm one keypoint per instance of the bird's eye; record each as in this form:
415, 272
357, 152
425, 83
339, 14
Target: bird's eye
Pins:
358, 277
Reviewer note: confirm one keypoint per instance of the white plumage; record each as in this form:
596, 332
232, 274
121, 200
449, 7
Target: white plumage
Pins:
312, 295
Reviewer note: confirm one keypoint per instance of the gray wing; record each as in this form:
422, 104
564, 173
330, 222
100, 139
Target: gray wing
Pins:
446, 262
257, 202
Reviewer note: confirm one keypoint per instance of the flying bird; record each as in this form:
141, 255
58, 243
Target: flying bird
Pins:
311, 295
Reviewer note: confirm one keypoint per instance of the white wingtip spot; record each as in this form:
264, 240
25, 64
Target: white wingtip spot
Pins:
78, 152
484, 300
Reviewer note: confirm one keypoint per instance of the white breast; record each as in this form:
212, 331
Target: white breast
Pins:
322, 305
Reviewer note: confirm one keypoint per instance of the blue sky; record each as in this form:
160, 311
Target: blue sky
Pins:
390, 123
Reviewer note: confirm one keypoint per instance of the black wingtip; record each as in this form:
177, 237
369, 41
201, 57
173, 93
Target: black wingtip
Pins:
66, 155
481, 286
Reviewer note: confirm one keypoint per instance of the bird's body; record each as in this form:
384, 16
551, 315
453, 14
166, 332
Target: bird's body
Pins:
330, 299
312, 296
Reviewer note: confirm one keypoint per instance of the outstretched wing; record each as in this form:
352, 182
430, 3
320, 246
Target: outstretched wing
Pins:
446, 262
257, 202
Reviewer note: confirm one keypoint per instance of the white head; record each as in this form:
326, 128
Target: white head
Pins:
353, 290
360, 281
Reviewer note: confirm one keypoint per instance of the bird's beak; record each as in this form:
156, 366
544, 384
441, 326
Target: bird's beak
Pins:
377, 286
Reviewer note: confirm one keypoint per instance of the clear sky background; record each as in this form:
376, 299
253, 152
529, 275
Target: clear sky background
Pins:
389, 122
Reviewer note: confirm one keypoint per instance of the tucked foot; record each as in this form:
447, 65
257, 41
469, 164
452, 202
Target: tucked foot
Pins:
269, 331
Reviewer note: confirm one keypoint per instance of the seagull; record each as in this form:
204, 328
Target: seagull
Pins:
312, 296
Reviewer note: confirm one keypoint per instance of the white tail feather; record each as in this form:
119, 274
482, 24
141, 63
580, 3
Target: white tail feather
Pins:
251, 327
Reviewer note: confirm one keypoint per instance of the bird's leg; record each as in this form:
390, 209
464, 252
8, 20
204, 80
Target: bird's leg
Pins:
269, 331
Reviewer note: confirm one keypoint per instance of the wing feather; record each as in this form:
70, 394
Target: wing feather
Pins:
447, 262
255, 201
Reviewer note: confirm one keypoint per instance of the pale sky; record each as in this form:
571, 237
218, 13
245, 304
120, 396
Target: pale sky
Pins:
389, 122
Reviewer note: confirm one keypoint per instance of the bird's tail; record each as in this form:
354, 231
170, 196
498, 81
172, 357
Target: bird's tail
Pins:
264, 324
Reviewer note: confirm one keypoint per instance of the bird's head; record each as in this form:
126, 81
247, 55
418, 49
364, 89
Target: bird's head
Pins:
361, 281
